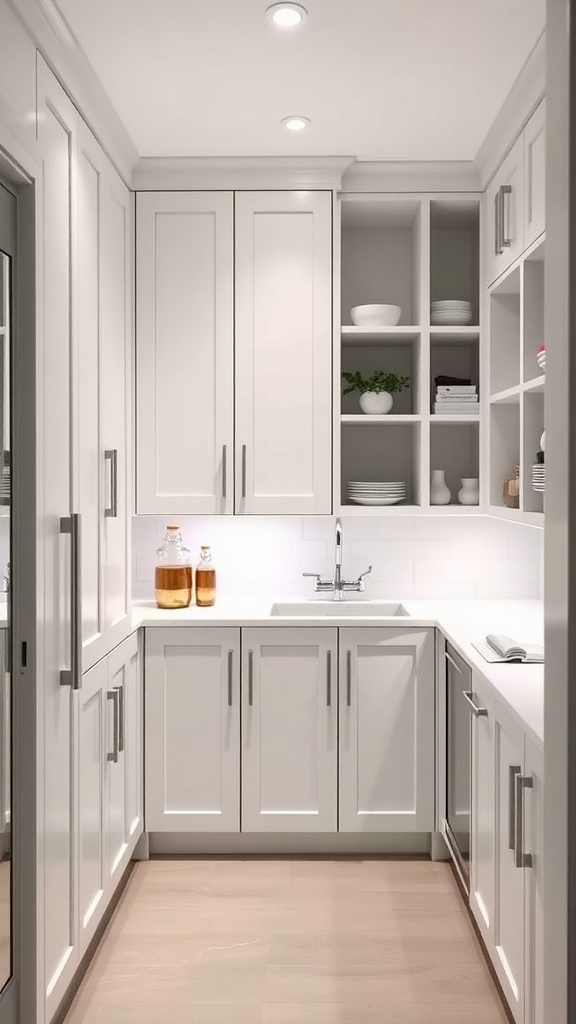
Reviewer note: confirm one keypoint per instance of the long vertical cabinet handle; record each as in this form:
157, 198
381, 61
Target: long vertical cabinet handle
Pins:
513, 772
111, 456
73, 676
349, 679
230, 662
497, 246
224, 470
250, 678
121, 717
521, 859
243, 470
113, 695
328, 679
505, 240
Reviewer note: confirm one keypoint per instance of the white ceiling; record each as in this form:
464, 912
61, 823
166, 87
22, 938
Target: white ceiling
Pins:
380, 79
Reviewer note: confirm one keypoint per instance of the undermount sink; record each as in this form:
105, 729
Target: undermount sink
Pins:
340, 609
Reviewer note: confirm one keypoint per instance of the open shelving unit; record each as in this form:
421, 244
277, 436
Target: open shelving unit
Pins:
407, 251
517, 385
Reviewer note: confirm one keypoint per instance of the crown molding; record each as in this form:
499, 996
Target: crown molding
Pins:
213, 173
411, 176
60, 49
523, 98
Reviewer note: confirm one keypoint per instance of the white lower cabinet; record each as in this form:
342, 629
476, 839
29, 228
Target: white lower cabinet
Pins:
192, 729
506, 860
289, 730
386, 730
110, 818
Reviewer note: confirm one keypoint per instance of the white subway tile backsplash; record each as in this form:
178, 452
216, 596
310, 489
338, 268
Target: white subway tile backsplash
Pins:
412, 557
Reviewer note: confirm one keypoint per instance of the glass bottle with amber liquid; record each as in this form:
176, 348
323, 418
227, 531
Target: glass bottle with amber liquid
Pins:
173, 573
205, 579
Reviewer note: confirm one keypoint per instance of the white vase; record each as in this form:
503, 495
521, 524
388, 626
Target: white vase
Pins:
469, 493
439, 492
376, 403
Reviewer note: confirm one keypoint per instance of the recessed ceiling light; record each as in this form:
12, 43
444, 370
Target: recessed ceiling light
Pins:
296, 123
287, 15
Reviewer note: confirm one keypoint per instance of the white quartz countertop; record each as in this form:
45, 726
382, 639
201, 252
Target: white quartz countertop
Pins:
521, 687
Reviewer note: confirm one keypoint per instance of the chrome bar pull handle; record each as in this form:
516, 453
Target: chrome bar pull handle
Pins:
505, 239
328, 678
113, 695
73, 676
224, 470
478, 712
111, 456
497, 247
349, 679
243, 470
230, 657
121, 718
513, 771
521, 859
250, 678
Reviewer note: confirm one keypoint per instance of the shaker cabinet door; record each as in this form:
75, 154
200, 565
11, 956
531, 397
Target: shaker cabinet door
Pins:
192, 768
483, 813
283, 282
505, 213
289, 730
185, 352
386, 730
535, 165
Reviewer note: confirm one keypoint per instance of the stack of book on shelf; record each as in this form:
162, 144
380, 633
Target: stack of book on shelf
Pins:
456, 400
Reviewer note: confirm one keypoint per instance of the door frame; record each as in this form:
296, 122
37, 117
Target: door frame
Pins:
20, 998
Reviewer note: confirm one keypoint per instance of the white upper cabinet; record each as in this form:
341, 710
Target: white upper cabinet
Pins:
505, 213
535, 165
193, 730
386, 730
283, 280
185, 352
234, 409
289, 730
516, 198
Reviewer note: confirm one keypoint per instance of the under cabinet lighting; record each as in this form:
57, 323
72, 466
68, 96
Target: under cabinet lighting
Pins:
296, 123
287, 15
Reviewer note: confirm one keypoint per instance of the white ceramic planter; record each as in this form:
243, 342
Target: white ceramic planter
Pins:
439, 492
376, 403
469, 493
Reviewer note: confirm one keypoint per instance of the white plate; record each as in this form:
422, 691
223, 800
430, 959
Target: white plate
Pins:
375, 501
377, 490
441, 307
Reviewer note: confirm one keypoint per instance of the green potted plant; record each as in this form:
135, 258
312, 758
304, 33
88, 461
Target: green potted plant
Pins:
376, 391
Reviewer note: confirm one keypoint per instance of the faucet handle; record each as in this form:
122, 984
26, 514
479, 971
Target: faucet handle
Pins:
362, 575
313, 575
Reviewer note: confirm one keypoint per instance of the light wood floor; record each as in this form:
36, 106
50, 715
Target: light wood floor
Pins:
242, 941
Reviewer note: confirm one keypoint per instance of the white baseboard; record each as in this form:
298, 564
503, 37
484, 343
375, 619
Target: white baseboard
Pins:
214, 844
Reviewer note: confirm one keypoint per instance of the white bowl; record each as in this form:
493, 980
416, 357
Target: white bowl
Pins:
376, 316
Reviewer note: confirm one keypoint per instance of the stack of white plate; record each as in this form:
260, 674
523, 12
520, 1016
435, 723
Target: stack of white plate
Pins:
538, 478
366, 492
450, 313
541, 356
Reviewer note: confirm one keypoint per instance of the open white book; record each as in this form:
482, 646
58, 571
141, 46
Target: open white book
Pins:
497, 647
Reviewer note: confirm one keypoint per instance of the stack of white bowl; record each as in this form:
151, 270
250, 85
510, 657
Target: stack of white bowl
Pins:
539, 478
451, 313
541, 357
367, 492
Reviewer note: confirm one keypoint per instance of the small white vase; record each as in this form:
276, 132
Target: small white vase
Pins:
469, 493
439, 492
376, 403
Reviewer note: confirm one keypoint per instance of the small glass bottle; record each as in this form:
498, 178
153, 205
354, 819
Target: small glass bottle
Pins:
205, 579
173, 574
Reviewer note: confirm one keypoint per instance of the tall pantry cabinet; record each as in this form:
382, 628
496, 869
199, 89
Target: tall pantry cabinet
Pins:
234, 352
84, 503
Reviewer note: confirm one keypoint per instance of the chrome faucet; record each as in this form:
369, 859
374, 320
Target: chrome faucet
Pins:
338, 587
